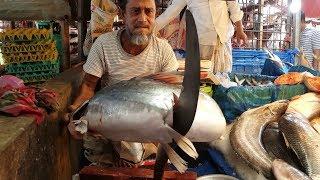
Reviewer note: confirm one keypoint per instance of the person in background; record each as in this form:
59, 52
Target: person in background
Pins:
114, 57
310, 43
215, 28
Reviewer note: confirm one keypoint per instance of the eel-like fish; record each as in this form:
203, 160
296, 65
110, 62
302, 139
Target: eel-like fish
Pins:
245, 136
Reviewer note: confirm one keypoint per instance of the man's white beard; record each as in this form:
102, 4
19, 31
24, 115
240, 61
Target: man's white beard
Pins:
140, 39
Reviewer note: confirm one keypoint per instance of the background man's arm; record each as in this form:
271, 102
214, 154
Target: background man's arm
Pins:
315, 40
316, 59
169, 14
236, 16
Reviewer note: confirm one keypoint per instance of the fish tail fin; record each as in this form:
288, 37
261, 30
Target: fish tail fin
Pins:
175, 159
184, 143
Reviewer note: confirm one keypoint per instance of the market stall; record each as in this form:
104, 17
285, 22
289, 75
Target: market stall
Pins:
258, 121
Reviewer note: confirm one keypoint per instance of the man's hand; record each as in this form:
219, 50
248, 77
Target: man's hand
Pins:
242, 38
75, 134
168, 78
86, 92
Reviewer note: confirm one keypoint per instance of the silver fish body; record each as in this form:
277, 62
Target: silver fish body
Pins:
304, 140
141, 110
245, 136
274, 143
284, 171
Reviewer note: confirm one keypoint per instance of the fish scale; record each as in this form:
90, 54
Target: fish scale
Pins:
304, 140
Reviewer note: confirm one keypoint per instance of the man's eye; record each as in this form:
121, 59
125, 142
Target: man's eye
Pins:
149, 11
135, 11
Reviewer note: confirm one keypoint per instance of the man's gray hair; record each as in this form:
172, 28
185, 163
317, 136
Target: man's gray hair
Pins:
123, 4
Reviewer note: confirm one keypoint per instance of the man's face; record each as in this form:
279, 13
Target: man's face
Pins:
139, 19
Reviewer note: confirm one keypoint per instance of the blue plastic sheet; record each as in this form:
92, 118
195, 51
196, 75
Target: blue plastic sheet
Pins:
303, 69
236, 100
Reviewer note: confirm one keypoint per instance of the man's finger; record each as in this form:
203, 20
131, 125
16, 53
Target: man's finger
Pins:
67, 117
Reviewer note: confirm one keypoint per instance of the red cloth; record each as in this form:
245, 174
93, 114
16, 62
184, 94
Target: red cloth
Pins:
311, 8
23, 101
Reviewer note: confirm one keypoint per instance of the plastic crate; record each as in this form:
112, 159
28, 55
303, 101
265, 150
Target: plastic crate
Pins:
33, 67
36, 77
252, 61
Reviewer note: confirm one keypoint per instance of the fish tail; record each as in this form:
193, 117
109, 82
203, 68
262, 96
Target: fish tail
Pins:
175, 159
184, 143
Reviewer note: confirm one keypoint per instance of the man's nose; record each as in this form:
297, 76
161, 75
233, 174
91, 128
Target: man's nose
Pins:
142, 17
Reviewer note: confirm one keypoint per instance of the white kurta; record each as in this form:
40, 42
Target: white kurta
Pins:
213, 23
211, 18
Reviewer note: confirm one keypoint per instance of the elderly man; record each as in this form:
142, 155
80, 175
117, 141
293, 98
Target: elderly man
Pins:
122, 55
310, 43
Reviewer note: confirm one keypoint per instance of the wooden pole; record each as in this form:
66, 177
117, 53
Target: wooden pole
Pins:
260, 20
66, 63
82, 24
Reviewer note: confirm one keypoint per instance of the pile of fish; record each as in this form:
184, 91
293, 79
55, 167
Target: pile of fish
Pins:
279, 140
312, 82
251, 82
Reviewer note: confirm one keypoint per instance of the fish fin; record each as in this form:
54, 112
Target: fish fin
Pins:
241, 81
184, 143
236, 79
248, 82
175, 159
254, 82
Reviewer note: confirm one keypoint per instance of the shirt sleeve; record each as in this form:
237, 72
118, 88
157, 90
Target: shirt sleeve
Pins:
235, 12
169, 14
95, 64
315, 39
169, 62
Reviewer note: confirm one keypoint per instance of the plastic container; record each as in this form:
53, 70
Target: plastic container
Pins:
252, 61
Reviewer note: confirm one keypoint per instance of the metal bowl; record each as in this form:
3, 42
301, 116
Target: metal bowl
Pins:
216, 177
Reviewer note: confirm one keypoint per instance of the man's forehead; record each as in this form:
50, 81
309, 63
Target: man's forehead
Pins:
141, 4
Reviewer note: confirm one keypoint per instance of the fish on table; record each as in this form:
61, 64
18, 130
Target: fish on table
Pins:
307, 104
304, 140
245, 136
141, 110
241, 167
274, 143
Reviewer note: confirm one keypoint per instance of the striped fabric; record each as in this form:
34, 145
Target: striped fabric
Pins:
108, 60
309, 40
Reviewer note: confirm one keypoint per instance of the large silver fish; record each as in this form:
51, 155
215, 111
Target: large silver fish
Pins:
141, 110
245, 136
284, 171
304, 140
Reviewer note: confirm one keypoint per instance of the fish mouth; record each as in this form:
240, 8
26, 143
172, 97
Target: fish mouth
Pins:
80, 111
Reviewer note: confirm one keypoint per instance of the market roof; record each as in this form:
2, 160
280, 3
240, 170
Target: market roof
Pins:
34, 9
